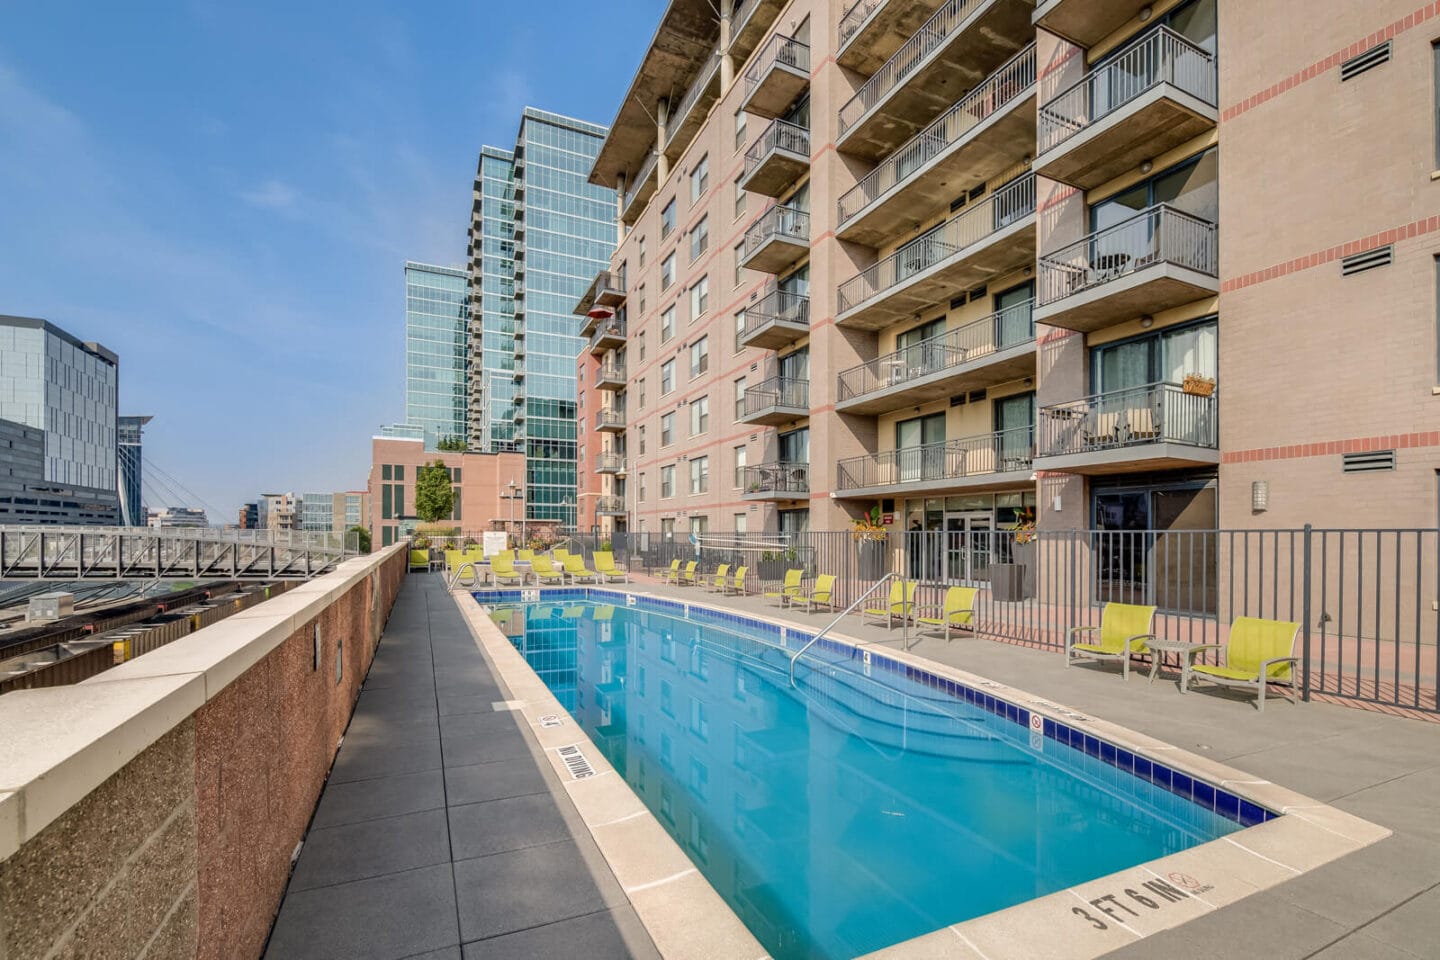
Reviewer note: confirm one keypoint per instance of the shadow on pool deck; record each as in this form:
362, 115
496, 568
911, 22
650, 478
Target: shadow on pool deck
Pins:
440, 834
1380, 903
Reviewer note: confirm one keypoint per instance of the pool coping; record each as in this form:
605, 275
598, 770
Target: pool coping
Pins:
1298, 833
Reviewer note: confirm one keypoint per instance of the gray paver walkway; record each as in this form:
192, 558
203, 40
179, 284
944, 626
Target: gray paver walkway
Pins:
440, 834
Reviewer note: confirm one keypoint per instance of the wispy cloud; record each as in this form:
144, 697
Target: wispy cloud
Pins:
272, 195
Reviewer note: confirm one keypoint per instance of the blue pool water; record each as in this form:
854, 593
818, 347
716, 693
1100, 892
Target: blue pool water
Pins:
869, 804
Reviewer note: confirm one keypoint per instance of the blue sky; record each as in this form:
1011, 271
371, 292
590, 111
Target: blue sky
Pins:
224, 194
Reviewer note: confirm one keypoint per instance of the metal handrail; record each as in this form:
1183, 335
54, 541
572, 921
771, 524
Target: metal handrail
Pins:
777, 135
841, 616
778, 49
673, 122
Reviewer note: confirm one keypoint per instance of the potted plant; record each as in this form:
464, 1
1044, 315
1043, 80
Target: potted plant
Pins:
870, 536
771, 566
1198, 385
1014, 579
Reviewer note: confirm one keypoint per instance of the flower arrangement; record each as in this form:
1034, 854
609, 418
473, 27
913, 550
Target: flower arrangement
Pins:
1024, 525
867, 526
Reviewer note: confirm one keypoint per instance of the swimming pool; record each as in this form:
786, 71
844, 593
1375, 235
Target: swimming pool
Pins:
871, 803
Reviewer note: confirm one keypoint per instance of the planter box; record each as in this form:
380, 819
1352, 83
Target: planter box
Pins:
870, 558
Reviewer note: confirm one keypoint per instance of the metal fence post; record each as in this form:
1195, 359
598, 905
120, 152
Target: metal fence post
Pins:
1305, 620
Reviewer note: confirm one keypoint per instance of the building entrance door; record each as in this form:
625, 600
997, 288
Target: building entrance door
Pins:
967, 547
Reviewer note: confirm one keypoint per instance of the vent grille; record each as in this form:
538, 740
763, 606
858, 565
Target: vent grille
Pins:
1369, 260
1358, 64
1370, 461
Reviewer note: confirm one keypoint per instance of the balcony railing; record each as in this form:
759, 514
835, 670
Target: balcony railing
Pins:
1161, 234
610, 505
675, 119
929, 38
776, 478
776, 308
1011, 327
646, 169
1004, 451
1160, 56
609, 417
779, 49
780, 221
609, 463
611, 373
609, 334
1135, 416
778, 135
851, 22
1002, 87
972, 224
776, 392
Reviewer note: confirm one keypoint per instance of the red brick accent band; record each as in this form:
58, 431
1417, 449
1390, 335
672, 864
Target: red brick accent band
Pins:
1328, 448
1388, 32
1406, 231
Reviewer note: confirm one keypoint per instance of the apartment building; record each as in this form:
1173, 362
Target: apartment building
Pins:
1124, 264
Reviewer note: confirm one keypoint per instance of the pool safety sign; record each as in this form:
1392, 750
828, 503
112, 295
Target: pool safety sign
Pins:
575, 762
551, 720
1119, 908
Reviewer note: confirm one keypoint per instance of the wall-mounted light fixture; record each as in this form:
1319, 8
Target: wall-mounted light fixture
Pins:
1146, 167
1146, 321
1145, 13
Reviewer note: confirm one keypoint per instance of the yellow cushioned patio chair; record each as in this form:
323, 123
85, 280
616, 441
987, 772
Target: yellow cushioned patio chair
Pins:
545, 571
1123, 630
900, 605
526, 556
419, 559
605, 566
671, 575
502, 568
1257, 654
789, 589
820, 595
721, 578
956, 613
687, 574
737, 582
575, 568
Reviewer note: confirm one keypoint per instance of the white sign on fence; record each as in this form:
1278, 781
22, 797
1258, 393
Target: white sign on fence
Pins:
494, 542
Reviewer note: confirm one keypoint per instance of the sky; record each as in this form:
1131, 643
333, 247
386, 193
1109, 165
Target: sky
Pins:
224, 194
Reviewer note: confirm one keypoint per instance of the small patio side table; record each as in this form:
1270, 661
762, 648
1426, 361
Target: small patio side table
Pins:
1158, 649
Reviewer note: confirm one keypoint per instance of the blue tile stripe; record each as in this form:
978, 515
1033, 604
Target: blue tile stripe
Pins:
1185, 786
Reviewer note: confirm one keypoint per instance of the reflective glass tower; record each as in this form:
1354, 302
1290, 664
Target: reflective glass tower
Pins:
435, 348
131, 468
539, 234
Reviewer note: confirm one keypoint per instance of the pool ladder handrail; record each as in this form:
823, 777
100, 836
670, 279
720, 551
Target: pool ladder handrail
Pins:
904, 623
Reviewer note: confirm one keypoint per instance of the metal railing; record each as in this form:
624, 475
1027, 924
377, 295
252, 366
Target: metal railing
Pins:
612, 373
1001, 88
776, 392
780, 220
610, 504
1159, 234
675, 119
779, 49
777, 477
999, 452
854, 18
930, 37
609, 417
609, 461
1001, 330
777, 135
975, 222
1160, 56
608, 330
904, 622
777, 306
645, 170
1154, 413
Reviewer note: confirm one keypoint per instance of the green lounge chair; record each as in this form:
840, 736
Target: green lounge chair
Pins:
575, 568
789, 589
545, 571
502, 568
900, 605
737, 582
956, 613
453, 559
605, 566
687, 575
526, 556
419, 559
671, 575
1257, 654
722, 577
559, 554
1124, 628
820, 595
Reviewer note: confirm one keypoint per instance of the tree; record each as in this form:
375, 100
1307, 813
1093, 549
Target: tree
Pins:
362, 537
434, 497
451, 444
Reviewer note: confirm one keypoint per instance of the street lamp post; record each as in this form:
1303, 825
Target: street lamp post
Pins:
512, 496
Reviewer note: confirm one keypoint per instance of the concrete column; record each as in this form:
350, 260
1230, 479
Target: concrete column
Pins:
662, 114
621, 182
727, 62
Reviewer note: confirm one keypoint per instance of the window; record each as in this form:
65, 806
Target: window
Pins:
740, 453
794, 446
640, 389
700, 475
640, 491
667, 324
667, 429
739, 199
1190, 186
667, 528
699, 416
667, 219
385, 472
699, 297
667, 482
739, 270
739, 330
667, 377
1435, 58
641, 434
1165, 356
641, 253
700, 526
700, 178
739, 398
640, 339
699, 357
740, 128
700, 238
667, 272
641, 294
739, 520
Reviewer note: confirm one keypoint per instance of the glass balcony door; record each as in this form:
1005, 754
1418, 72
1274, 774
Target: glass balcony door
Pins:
1013, 312
919, 447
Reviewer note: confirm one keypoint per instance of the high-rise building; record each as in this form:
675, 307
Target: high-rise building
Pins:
435, 351
279, 511
130, 469
960, 260
334, 511
539, 232
66, 388
249, 518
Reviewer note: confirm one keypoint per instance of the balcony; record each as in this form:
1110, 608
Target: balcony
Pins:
776, 481
776, 400
990, 130
606, 290
517, 372
778, 240
993, 350
777, 320
988, 237
1155, 427
609, 463
872, 30
610, 420
749, 23
685, 120
1086, 22
777, 159
952, 52
639, 191
610, 506
1153, 96
610, 376
610, 336
987, 462
1158, 259
780, 74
